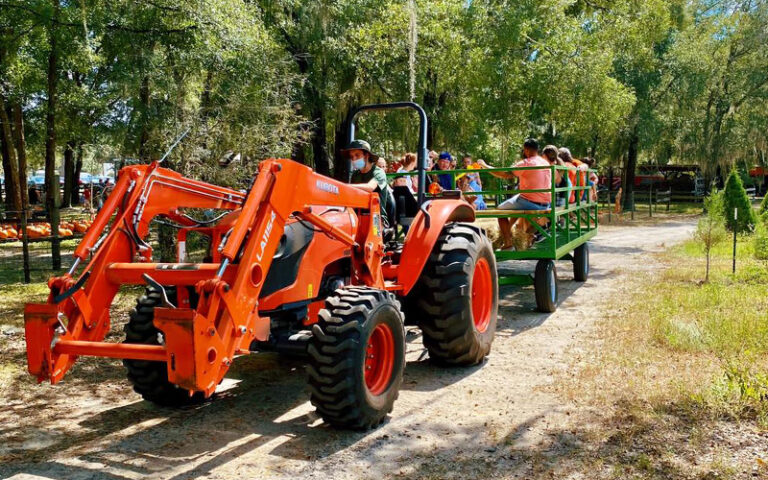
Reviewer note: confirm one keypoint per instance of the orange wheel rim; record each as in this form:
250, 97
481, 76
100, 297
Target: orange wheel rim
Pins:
379, 359
482, 293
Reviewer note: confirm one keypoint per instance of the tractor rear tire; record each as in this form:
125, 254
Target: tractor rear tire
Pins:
150, 379
581, 263
357, 357
458, 305
545, 286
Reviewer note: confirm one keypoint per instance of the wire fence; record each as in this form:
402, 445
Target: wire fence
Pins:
29, 258
650, 201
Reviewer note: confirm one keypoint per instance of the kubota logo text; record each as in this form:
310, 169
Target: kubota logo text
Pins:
327, 187
265, 237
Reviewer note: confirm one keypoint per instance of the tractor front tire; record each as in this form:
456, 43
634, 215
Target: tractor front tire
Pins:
150, 379
458, 305
357, 357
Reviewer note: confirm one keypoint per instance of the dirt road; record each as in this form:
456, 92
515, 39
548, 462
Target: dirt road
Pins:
494, 420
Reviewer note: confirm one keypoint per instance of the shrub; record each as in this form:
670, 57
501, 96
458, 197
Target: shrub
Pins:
736, 199
764, 206
710, 230
760, 240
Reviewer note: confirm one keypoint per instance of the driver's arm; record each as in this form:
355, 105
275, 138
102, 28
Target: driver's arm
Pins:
369, 186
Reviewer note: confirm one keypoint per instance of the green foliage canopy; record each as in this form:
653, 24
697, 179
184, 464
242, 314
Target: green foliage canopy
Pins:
665, 80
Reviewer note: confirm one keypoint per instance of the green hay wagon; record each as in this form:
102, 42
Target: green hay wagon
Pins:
567, 229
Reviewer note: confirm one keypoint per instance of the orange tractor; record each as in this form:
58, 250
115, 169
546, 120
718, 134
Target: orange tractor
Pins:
300, 263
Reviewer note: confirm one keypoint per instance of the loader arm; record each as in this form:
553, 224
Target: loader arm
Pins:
200, 343
113, 238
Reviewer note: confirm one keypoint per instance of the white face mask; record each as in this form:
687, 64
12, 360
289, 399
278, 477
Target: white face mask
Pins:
358, 164
357, 160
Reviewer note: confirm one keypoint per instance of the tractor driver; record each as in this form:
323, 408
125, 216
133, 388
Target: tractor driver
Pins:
368, 176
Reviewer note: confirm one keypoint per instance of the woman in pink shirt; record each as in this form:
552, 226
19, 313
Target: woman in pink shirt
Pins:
538, 179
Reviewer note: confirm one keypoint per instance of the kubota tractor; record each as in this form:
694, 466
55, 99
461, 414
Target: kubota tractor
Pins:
298, 264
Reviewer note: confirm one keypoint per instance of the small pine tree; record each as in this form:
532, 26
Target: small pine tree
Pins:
711, 230
760, 241
736, 198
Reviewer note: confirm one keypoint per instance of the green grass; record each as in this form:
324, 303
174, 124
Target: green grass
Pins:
726, 318
678, 323
679, 365
677, 208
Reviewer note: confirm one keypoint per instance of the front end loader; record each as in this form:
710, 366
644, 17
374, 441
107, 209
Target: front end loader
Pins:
300, 264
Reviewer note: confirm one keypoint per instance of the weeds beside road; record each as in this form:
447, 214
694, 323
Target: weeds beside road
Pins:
678, 376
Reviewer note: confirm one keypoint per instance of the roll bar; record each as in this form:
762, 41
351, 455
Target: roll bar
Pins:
422, 152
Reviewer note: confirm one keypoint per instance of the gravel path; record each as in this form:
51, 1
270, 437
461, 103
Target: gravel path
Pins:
481, 422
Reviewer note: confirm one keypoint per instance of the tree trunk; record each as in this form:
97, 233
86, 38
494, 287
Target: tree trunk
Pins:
299, 151
340, 163
10, 165
716, 158
431, 106
593, 147
629, 171
21, 150
706, 275
5, 151
69, 173
206, 104
78, 169
4, 145
51, 176
21, 154
166, 234
143, 149
319, 142
719, 179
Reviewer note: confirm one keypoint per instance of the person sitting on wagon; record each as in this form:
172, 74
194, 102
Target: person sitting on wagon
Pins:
468, 187
576, 171
368, 176
445, 180
561, 178
468, 164
592, 179
407, 166
537, 179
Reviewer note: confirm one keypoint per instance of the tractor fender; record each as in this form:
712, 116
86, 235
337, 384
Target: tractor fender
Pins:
421, 239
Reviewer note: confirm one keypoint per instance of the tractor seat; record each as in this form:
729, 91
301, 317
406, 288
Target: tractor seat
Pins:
406, 206
287, 259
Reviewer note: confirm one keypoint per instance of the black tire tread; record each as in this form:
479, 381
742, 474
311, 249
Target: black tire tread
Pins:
150, 379
581, 263
332, 367
443, 288
544, 302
